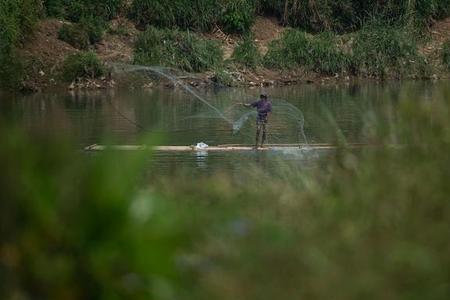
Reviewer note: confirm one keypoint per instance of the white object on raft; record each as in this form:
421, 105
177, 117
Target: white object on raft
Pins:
201, 146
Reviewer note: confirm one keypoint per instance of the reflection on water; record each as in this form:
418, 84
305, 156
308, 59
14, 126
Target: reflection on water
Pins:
124, 116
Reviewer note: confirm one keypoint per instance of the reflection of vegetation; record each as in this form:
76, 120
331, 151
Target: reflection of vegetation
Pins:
377, 223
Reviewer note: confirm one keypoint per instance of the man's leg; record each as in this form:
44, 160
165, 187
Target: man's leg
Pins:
264, 134
258, 131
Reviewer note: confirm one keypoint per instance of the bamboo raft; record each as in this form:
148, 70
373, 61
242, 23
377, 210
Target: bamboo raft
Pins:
219, 148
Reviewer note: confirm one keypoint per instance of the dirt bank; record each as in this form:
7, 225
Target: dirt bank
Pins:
44, 55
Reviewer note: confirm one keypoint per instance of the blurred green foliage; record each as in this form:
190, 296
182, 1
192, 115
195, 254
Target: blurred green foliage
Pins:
82, 65
74, 227
172, 48
370, 225
373, 224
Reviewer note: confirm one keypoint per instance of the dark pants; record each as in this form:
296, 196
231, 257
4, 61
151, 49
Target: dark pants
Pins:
261, 124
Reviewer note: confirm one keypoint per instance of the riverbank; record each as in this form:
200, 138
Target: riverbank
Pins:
45, 54
80, 53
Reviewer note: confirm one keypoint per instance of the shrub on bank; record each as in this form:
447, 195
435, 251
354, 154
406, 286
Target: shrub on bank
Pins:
75, 35
80, 35
316, 53
82, 65
446, 55
179, 49
380, 51
246, 53
17, 21
237, 16
89, 19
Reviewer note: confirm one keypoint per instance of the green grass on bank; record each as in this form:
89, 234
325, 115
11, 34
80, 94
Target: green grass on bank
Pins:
17, 21
375, 51
372, 225
172, 48
446, 55
234, 16
247, 53
350, 15
387, 51
298, 49
382, 51
81, 66
88, 31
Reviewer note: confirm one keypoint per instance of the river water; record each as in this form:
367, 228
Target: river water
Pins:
177, 118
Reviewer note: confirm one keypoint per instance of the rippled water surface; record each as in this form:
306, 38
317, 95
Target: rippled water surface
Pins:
122, 117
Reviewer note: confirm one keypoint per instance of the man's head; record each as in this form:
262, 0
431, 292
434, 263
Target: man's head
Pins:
263, 96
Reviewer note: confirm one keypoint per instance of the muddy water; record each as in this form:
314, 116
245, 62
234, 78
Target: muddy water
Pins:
123, 117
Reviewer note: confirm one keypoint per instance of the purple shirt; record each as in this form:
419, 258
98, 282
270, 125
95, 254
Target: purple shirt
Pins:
263, 107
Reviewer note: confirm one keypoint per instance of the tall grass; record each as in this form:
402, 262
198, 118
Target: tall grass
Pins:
200, 15
380, 50
349, 15
173, 48
446, 55
246, 53
237, 15
317, 53
75, 10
